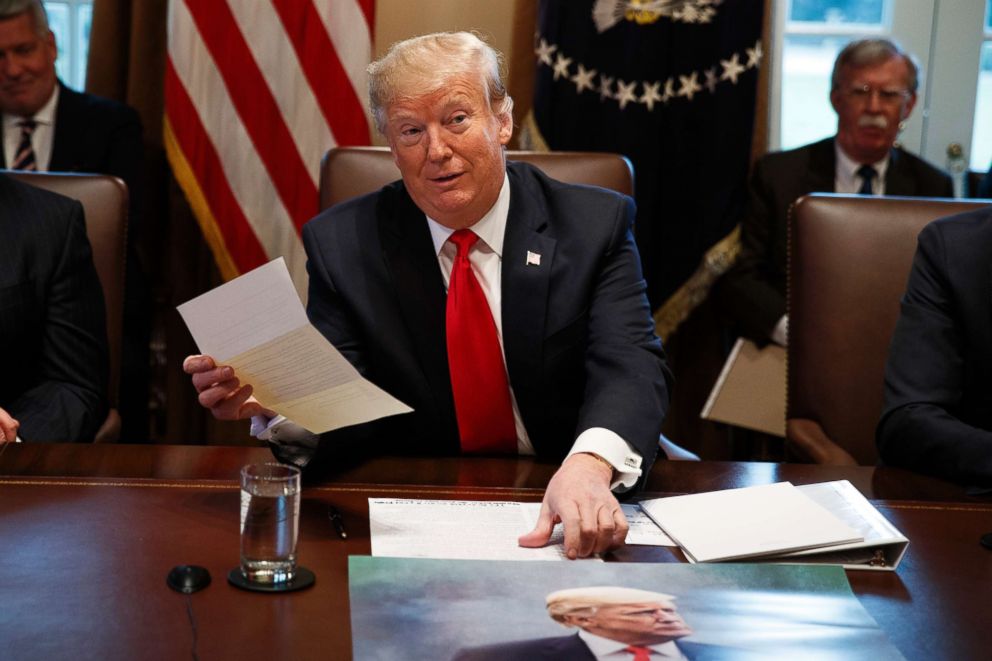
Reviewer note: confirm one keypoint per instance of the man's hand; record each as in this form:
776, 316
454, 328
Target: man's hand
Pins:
579, 496
221, 391
8, 427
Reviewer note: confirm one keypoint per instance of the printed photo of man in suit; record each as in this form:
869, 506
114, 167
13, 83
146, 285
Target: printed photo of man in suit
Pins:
614, 623
506, 308
873, 92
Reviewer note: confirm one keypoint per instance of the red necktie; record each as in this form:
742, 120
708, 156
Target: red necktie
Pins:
478, 376
640, 653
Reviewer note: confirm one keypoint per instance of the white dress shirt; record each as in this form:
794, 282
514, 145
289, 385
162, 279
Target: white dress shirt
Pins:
41, 140
607, 649
486, 258
847, 179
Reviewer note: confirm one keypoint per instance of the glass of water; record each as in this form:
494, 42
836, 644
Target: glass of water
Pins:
270, 522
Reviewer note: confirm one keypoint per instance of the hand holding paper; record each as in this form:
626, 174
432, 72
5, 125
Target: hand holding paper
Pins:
255, 329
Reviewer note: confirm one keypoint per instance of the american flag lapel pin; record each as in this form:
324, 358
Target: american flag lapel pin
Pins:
533, 258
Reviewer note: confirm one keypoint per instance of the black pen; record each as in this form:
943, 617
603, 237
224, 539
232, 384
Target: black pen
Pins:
337, 521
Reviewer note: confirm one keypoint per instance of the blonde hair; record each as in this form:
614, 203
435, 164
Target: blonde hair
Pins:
586, 601
424, 64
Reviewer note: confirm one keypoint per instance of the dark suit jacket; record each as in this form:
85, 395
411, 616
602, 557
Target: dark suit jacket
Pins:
97, 136
567, 648
752, 293
937, 417
53, 340
578, 336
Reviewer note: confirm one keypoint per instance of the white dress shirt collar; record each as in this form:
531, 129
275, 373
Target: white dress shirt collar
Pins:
43, 137
606, 648
846, 177
490, 228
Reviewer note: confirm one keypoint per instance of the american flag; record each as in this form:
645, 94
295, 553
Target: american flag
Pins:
256, 91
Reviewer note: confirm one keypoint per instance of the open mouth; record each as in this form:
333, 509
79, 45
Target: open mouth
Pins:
446, 178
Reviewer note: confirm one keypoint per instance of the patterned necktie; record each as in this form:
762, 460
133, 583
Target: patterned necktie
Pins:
24, 159
478, 376
867, 174
640, 653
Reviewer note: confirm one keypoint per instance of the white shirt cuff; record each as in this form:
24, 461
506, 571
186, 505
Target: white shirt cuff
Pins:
279, 430
780, 334
620, 454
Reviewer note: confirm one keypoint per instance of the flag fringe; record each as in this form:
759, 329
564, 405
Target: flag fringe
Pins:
190, 186
690, 295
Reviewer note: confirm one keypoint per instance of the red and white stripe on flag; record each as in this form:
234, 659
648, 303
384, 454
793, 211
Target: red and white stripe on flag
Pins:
256, 91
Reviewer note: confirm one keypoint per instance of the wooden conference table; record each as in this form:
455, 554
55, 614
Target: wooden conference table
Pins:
88, 533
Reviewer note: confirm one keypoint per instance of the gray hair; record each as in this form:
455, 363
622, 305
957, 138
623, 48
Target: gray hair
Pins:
14, 8
868, 52
422, 65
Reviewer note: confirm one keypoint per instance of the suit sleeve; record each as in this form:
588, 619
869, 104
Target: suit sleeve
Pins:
748, 292
66, 399
925, 379
627, 380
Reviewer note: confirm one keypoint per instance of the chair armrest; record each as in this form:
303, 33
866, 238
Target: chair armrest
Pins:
807, 439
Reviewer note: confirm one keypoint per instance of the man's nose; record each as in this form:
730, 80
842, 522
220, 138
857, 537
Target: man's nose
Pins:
874, 103
438, 148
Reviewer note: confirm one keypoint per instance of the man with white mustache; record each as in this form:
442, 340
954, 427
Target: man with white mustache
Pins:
873, 91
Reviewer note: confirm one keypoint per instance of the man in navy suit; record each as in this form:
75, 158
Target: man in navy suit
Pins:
581, 368
73, 132
937, 417
53, 340
613, 623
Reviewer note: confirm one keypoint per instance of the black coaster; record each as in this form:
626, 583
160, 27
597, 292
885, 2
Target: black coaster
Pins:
303, 578
986, 540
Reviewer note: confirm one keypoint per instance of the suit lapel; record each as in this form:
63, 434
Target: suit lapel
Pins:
898, 180
67, 132
416, 276
822, 173
528, 257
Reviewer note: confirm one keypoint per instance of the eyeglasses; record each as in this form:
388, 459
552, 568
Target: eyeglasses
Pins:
890, 97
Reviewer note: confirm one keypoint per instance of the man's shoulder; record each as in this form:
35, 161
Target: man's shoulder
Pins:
556, 647
532, 179
18, 195
798, 157
90, 107
920, 168
968, 231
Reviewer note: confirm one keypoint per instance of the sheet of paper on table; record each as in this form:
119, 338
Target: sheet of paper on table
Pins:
257, 325
476, 530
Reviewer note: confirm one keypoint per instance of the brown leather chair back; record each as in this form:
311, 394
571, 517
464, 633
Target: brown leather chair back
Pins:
849, 260
348, 172
105, 203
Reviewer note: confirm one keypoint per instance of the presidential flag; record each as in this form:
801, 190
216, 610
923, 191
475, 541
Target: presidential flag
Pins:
671, 84
256, 91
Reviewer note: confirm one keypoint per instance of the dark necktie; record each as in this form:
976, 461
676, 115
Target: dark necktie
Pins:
640, 653
24, 158
478, 376
867, 174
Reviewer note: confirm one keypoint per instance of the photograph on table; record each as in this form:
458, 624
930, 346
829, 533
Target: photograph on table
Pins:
485, 610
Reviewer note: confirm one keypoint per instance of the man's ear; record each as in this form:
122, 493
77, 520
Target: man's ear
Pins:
505, 128
907, 107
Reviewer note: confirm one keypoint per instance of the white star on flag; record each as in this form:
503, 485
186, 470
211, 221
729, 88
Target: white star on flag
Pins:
732, 69
544, 51
583, 79
689, 86
561, 66
625, 93
651, 94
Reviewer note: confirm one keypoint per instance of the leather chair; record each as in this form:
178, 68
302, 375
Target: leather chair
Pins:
849, 260
105, 203
347, 172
